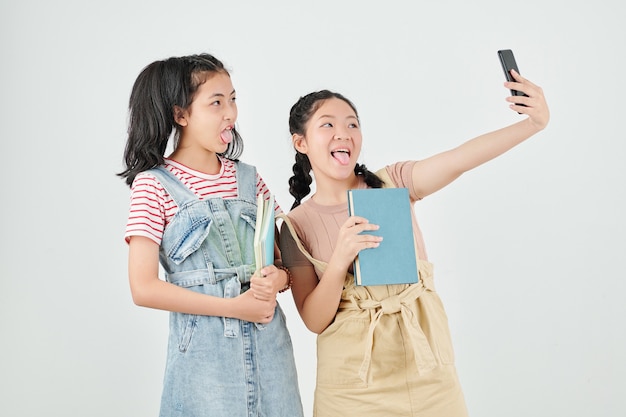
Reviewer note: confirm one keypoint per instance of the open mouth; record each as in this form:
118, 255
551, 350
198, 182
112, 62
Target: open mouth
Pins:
341, 155
227, 135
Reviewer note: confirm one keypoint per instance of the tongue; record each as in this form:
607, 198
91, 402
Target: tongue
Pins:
226, 135
342, 157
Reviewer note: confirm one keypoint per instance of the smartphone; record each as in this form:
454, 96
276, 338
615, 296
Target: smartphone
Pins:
507, 59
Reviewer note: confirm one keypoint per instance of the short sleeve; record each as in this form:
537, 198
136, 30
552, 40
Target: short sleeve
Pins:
401, 174
290, 253
146, 215
263, 189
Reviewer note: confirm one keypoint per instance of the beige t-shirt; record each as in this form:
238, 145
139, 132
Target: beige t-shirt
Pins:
318, 226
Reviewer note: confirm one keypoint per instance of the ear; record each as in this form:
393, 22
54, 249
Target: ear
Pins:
299, 143
180, 116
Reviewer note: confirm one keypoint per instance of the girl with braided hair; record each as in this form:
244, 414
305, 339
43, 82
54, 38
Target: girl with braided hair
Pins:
229, 351
382, 350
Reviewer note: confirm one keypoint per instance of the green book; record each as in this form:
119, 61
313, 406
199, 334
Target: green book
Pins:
394, 261
264, 232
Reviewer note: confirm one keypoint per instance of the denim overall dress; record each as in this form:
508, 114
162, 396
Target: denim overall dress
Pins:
220, 366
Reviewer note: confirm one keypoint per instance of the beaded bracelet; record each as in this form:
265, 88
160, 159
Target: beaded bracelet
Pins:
289, 279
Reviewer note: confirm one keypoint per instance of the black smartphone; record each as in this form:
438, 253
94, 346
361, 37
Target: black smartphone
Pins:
507, 59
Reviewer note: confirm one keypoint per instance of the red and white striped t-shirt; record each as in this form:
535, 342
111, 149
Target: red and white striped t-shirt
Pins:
152, 208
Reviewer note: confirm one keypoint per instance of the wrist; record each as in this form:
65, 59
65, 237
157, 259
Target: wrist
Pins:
333, 269
288, 279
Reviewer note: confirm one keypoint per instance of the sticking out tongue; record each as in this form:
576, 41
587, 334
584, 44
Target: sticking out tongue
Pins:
226, 135
342, 157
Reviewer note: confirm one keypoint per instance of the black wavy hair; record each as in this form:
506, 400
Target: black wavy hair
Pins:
161, 87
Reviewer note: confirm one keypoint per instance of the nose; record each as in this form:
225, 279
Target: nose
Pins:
342, 134
230, 112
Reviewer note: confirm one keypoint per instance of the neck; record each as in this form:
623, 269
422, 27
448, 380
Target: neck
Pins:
329, 191
208, 162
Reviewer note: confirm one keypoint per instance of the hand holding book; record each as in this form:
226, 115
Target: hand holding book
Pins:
394, 260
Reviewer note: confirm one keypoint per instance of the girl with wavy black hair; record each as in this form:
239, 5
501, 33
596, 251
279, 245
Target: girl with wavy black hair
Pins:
229, 352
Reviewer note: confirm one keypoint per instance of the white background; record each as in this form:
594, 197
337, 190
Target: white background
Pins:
528, 249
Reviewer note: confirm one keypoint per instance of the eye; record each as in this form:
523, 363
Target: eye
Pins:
353, 125
216, 103
328, 124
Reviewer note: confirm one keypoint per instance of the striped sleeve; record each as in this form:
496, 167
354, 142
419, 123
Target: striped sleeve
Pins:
262, 189
148, 209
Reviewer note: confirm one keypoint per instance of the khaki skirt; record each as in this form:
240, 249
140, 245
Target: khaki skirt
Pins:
388, 353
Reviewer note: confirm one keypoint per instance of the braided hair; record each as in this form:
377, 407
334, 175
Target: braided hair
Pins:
299, 116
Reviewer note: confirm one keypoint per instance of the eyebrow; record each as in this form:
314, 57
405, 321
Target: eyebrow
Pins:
334, 117
221, 95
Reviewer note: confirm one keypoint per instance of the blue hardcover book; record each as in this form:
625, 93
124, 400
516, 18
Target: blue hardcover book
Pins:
394, 261
264, 232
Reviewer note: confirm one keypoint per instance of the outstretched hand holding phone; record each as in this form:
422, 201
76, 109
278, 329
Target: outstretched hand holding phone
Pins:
507, 59
524, 94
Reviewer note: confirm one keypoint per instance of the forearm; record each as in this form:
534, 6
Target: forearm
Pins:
158, 294
320, 307
148, 290
434, 173
488, 146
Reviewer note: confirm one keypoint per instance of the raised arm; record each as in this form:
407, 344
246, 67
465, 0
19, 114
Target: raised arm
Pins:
437, 171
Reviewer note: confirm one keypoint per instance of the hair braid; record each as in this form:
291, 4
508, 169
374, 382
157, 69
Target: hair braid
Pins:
371, 179
300, 182
299, 115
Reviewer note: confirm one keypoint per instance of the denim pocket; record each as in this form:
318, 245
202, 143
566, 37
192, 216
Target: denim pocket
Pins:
184, 328
249, 217
190, 235
189, 323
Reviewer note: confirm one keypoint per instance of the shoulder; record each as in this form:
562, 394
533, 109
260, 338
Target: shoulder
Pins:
238, 165
295, 215
299, 218
147, 179
147, 189
160, 180
400, 173
159, 177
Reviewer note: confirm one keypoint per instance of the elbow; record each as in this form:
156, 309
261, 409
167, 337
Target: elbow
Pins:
314, 320
140, 298
317, 330
316, 327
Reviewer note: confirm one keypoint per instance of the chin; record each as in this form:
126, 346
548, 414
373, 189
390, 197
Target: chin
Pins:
345, 174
